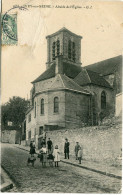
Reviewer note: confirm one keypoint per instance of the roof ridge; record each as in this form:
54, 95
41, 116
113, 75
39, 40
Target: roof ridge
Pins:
73, 82
95, 72
54, 80
88, 76
78, 74
105, 60
62, 81
58, 75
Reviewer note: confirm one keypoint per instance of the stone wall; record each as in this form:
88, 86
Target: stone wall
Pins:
10, 136
99, 143
49, 117
76, 109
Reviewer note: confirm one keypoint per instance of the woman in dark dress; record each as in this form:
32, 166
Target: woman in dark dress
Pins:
32, 148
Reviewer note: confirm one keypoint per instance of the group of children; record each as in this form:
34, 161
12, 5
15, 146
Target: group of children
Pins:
49, 156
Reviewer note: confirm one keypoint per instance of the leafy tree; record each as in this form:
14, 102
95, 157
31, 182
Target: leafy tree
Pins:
14, 111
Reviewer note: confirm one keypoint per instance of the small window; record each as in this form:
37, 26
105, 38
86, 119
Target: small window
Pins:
103, 100
35, 109
42, 106
29, 134
56, 105
29, 118
41, 130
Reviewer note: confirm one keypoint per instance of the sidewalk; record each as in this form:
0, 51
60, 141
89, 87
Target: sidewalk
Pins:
104, 169
6, 182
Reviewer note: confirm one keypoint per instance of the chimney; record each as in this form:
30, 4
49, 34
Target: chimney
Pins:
59, 65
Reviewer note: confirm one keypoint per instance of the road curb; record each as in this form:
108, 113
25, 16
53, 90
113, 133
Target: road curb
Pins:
10, 176
7, 182
94, 170
84, 167
6, 186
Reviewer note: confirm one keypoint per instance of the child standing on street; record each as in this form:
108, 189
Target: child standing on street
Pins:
80, 155
43, 151
56, 155
76, 150
50, 159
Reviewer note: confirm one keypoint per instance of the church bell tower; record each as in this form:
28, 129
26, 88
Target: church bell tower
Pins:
66, 44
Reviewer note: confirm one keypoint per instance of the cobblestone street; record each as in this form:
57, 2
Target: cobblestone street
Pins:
65, 178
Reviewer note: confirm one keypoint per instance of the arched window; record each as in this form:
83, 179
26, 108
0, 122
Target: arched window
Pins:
35, 109
56, 104
69, 49
58, 47
42, 106
103, 100
53, 51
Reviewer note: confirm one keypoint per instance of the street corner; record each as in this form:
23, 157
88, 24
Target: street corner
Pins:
6, 183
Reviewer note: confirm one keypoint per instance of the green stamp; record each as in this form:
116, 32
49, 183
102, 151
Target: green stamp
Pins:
9, 29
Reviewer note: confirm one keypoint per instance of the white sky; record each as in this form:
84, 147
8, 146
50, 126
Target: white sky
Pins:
101, 28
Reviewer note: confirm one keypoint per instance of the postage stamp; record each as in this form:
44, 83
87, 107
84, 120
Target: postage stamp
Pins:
9, 26
9, 29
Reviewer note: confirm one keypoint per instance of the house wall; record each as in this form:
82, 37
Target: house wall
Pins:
30, 126
76, 109
118, 110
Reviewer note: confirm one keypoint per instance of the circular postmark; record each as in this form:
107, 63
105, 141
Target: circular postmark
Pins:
9, 23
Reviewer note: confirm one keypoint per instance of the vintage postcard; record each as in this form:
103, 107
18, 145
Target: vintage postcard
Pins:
61, 92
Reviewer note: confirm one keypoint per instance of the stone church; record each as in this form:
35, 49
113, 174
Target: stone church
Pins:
68, 95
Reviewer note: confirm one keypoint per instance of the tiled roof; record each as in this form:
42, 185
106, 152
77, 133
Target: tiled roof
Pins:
107, 66
68, 69
63, 30
82, 78
49, 73
86, 77
71, 70
70, 84
96, 79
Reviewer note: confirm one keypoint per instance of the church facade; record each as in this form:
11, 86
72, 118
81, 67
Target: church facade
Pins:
67, 95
